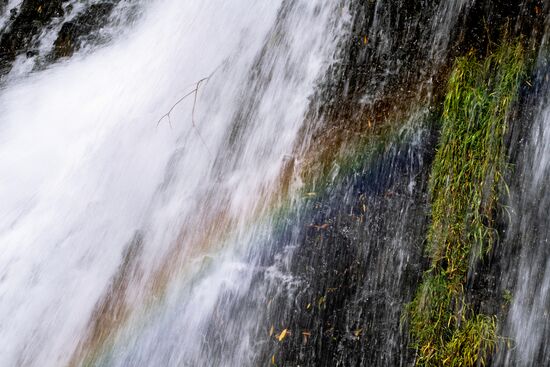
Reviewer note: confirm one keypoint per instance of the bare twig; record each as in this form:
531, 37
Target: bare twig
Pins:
167, 114
195, 93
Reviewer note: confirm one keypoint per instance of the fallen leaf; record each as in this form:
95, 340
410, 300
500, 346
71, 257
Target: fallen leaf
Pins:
282, 335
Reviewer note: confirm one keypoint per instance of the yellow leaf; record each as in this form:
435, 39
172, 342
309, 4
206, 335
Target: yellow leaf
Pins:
271, 330
308, 306
282, 335
357, 332
273, 359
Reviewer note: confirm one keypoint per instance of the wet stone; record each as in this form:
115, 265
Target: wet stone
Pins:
21, 35
74, 33
27, 23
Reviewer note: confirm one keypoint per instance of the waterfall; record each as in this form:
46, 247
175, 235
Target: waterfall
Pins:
253, 182
110, 211
528, 327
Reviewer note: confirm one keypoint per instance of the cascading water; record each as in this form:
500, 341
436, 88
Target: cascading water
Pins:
528, 326
247, 183
528, 322
108, 212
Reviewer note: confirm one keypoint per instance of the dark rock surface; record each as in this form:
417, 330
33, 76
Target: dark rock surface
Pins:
79, 30
359, 260
32, 17
22, 33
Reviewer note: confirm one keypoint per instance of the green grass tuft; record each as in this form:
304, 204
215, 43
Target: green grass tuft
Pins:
465, 183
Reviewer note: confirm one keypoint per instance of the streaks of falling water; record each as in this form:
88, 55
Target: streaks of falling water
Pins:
101, 210
348, 266
124, 244
446, 17
528, 321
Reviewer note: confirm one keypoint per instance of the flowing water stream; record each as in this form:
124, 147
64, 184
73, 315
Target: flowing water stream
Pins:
156, 204
528, 322
93, 177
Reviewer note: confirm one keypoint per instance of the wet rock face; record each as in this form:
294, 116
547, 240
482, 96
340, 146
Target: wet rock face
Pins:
330, 286
486, 19
389, 50
357, 263
74, 33
22, 34
352, 287
32, 17
399, 49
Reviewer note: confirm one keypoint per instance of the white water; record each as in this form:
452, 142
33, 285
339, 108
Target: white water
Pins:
528, 323
84, 167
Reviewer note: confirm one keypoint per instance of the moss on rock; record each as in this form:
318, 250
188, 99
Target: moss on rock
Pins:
465, 184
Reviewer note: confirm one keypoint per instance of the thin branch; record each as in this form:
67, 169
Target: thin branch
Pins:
167, 114
194, 92
195, 100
